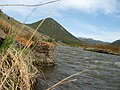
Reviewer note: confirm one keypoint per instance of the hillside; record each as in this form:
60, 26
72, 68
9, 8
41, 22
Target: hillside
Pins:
53, 29
91, 41
116, 43
26, 32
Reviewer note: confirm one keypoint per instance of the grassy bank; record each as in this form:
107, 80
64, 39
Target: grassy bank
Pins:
16, 69
22, 51
108, 49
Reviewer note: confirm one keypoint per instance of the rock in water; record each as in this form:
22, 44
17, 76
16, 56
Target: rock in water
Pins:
44, 54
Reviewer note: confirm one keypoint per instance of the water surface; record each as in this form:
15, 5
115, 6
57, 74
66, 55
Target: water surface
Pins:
70, 60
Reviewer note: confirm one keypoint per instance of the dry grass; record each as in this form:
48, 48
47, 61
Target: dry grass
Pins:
16, 72
16, 69
110, 49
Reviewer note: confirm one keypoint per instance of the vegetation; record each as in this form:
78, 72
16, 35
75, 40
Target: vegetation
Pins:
17, 71
108, 49
53, 29
16, 27
5, 44
101, 47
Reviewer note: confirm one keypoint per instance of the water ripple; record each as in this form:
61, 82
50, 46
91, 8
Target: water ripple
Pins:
70, 60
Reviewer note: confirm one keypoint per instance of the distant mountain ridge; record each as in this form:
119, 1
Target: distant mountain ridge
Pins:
53, 29
91, 41
116, 43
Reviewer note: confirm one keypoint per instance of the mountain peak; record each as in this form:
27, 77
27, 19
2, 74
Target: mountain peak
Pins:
49, 18
53, 29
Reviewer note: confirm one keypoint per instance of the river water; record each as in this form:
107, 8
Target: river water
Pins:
69, 60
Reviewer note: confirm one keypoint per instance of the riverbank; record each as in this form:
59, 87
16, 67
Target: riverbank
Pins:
22, 53
19, 62
107, 49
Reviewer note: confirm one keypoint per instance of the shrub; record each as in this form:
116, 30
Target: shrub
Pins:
6, 43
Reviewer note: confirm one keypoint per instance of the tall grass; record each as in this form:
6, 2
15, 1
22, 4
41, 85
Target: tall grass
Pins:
16, 70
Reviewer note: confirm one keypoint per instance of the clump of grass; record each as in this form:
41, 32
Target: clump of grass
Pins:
16, 72
6, 43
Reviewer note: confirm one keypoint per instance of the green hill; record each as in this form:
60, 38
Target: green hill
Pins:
116, 43
53, 29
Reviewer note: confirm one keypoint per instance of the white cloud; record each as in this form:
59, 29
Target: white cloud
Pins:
107, 7
88, 6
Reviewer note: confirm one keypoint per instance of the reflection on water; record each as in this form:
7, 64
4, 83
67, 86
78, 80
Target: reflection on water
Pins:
70, 60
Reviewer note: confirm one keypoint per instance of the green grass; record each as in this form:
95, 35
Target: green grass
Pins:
5, 44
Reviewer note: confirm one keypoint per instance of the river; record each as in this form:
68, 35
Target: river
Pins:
69, 60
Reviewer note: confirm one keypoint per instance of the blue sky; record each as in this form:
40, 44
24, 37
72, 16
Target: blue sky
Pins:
97, 19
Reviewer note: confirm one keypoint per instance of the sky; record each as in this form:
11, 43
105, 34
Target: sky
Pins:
97, 19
